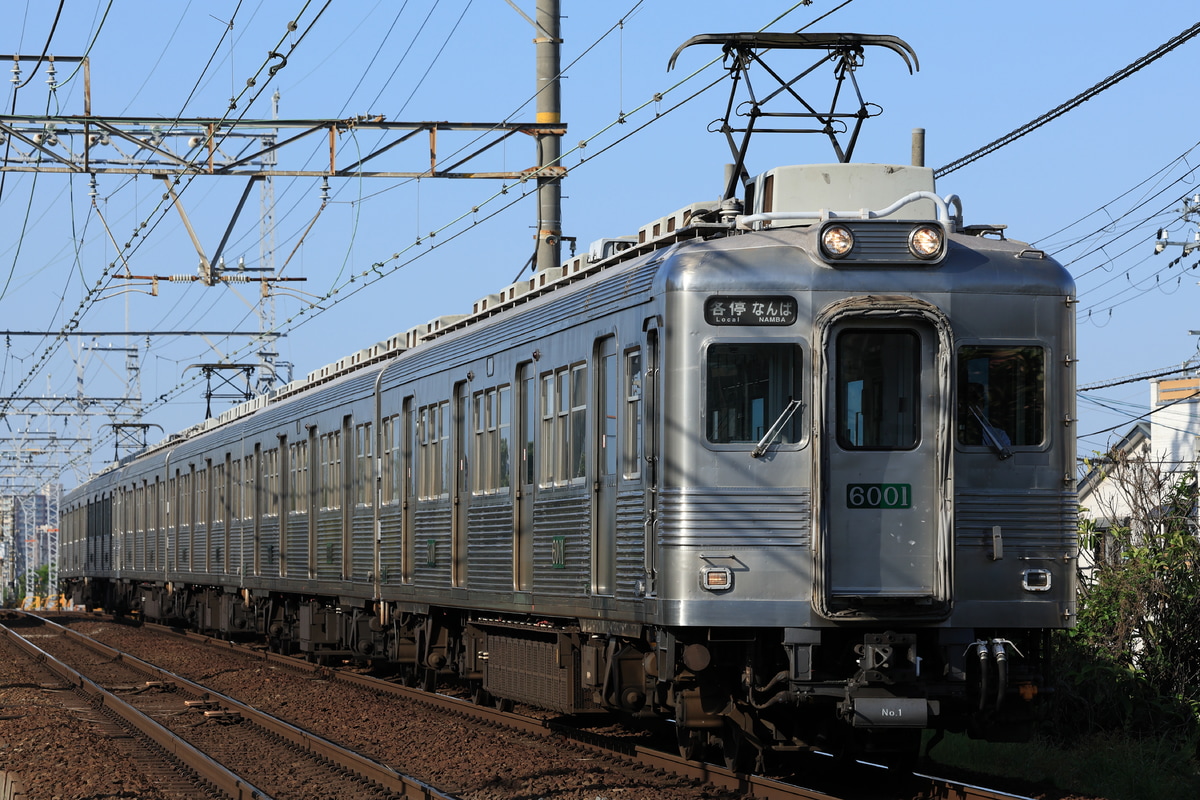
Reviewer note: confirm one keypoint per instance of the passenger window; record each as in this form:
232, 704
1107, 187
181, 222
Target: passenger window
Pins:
878, 389
748, 388
1004, 389
564, 426
633, 414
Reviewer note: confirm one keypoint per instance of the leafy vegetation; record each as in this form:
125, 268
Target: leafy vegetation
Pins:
1124, 719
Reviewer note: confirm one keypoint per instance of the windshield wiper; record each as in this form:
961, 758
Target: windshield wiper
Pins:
996, 438
788, 411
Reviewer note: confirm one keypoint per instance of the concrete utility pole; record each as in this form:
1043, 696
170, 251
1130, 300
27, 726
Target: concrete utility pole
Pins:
549, 112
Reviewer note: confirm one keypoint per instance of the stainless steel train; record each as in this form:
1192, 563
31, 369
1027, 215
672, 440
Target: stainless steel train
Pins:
794, 471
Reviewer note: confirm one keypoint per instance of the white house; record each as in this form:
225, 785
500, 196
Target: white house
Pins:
1154, 451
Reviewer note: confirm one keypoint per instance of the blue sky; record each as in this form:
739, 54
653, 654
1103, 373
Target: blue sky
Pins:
1092, 187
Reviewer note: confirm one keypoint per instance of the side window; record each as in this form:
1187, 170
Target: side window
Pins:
749, 386
528, 426
564, 426
331, 470
298, 476
577, 452
248, 493
200, 483
364, 474
492, 448
503, 460
632, 388
547, 475
270, 487
433, 432
391, 461
1002, 388
236, 509
172, 505
185, 498
219, 496
878, 389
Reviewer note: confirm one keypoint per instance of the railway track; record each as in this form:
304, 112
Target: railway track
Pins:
88, 707
225, 745
880, 783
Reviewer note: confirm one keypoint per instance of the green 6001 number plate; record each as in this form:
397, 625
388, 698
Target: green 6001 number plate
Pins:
879, 495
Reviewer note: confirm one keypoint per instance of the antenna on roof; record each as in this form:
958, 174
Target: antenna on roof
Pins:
742, 50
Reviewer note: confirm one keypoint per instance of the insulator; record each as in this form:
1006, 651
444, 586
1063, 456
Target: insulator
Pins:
181, 278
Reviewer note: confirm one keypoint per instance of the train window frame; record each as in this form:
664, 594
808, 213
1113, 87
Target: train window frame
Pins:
563, 446
331, 465
632, 380
364, 469
961, 392
219, 515
433, 445
794, 435
270, 482
391, 459
236, 494
492, 430
200, 498
299, 478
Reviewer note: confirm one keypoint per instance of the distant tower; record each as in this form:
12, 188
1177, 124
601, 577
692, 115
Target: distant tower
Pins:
267, 352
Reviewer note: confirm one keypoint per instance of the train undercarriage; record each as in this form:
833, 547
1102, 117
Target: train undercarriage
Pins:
747, 696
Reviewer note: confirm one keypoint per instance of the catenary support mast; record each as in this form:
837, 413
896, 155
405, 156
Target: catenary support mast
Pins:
549, 113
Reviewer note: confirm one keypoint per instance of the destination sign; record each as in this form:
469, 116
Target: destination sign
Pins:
768, 310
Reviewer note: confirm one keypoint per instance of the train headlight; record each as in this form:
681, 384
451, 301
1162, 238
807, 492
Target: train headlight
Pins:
716, 579
837, 241
925, 241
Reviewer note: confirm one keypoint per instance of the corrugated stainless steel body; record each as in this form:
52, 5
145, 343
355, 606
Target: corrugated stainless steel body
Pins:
715, 500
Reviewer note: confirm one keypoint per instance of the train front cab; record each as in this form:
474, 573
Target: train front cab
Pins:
870, 546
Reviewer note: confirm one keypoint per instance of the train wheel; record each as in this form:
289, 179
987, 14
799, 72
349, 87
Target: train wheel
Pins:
502, 704
739, 752
691, 743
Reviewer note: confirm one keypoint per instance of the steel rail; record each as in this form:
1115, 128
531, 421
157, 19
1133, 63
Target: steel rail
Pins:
225, 781
751, 786
401, 785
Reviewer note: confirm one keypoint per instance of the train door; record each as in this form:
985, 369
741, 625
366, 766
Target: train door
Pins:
886, 431
604, 518
526, 424
407, 488
461, 491
650, 392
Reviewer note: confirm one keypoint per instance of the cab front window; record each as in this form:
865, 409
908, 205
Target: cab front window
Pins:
749, 386
1001, 395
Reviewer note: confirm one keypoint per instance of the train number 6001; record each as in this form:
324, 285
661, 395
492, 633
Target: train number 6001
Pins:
879, 495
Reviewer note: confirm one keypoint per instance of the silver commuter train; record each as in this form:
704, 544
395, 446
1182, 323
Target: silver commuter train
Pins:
793, 478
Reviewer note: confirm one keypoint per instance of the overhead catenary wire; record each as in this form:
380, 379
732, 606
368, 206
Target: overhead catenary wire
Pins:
377, 271
1074, 102
160, 208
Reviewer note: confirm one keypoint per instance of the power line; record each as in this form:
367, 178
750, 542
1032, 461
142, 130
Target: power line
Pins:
1077, 100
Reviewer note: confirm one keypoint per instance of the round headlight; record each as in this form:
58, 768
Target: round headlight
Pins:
837, 241
925, 241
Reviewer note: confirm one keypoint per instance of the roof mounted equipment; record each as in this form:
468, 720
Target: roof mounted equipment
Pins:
845, 50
